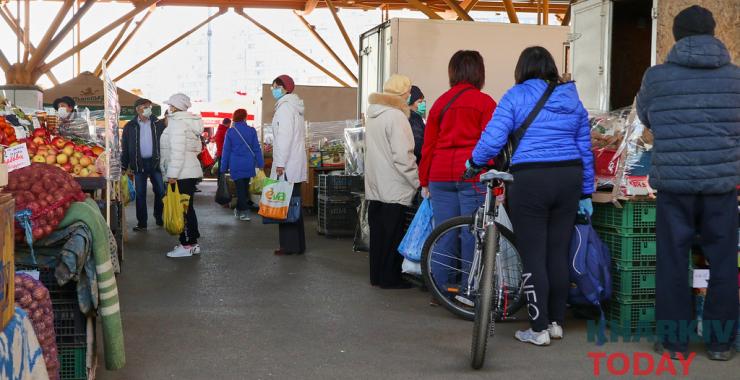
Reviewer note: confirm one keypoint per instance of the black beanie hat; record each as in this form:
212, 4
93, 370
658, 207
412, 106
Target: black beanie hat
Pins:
141, 101
416, 94
693, 21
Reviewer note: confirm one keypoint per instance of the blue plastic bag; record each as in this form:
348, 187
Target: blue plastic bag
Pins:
418, 232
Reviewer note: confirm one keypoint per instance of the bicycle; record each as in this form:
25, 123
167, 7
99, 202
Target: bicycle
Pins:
488, 286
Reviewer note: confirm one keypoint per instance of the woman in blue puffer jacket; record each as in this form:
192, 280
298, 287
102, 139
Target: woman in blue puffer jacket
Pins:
553, 170
242, 156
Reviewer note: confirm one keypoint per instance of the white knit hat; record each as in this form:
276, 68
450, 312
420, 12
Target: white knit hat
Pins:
179, 101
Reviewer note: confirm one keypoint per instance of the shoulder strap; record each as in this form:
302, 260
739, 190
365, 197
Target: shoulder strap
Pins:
516, 137
447, 106
245, 143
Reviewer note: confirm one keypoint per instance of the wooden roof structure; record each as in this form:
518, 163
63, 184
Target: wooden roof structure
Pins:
36, 60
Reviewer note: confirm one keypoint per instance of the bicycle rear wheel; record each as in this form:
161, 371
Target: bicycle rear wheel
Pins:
444, 268
485, 303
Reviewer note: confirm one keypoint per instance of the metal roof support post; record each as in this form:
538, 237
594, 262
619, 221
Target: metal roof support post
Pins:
62, 34
461, 13
315, 33
169, 45
333, 9
421, 7
287, 44
511, 11
90, 40
99, 69
53, 27
128, 38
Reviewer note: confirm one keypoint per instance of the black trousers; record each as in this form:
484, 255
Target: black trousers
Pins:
293, 235
190, 234
386, 232
679, 218
544, 203
242, 194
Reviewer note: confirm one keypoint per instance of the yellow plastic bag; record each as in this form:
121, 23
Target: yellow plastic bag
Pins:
125, 196
257, 182
175, 206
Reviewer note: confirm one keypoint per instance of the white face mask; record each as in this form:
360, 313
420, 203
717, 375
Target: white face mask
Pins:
63, 113
147, 112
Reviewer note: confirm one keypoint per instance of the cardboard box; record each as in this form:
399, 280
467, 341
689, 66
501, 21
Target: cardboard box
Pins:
3, 175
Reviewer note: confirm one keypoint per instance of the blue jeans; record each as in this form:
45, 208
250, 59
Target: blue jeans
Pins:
451, 199
155, 176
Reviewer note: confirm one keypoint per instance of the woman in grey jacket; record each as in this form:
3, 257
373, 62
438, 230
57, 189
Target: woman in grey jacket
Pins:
391, 179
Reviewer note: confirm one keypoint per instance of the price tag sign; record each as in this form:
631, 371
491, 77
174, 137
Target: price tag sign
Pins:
20, 133
701, 278
16, 157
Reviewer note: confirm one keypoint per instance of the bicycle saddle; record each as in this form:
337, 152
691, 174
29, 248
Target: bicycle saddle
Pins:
495, 174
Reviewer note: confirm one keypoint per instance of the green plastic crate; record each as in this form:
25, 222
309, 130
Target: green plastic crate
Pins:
634, 218
630, 251
633, 281
633, 315
72, 363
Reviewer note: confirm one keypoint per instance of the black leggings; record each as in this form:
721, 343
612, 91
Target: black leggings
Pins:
190, 234
544, 204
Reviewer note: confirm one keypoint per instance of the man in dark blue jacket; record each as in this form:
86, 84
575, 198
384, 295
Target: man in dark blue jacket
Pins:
140, 155
692, 105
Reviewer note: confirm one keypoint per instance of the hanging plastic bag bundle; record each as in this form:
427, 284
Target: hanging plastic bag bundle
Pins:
175, 206
128, 192
276, 200
223, 195
258, 182
418, 232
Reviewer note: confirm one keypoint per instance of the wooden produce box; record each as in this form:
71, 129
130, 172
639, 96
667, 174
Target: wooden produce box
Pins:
7, 255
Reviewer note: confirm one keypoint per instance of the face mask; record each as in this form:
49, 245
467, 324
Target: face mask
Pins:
172, 110
422, 108
147, 112
63, 113
277, 93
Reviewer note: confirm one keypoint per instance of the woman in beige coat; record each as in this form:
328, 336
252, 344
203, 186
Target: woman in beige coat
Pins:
391, 178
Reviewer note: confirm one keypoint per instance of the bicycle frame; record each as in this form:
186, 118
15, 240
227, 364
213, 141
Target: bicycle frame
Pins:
484, 217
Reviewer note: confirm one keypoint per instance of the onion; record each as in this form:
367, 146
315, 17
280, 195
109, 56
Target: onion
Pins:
40, 293
25, 301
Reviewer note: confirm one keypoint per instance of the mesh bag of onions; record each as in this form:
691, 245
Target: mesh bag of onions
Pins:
33, 297
46, 191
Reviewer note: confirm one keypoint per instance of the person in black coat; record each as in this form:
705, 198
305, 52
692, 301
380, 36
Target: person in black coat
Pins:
140, 156
692, 105
418, 107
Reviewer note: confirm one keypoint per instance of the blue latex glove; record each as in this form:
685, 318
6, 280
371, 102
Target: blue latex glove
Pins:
586, 207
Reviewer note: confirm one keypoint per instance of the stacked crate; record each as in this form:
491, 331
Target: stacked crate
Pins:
337, 209
629, 232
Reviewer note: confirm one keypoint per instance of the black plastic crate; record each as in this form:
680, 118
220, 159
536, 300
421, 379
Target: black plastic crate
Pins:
47, 277
337, 216
343, 185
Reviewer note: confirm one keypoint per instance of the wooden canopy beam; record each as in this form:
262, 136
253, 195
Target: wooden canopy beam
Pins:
124, 28
545, 12
90, 40
421, 7
4, 63
461, 13
53, 27
62, 34
468, 5
287, 44
170, 44
129, 37
347, 39
310, 6
8, 17
566, 16
511, 12
27, 31
315, 33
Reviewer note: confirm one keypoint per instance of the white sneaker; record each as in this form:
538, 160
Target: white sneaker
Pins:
555, 330
244, 215
541, 338
181, 251
196, 249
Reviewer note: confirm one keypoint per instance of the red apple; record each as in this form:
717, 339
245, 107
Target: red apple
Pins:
61, 159
51, 159
67, 167
86, 161
39, 141
97, 150
59, 142
68, 150
80, 148
39, 132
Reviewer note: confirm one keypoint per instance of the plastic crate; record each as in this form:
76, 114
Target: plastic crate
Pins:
632, 315
47, 277
339, 185
634, 218
337, 217
630, 251
72, 362
629, 282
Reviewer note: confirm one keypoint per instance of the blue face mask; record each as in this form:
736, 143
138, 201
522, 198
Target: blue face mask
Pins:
422, 108
277, 93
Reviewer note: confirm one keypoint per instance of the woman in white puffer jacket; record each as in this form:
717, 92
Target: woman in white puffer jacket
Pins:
179, 148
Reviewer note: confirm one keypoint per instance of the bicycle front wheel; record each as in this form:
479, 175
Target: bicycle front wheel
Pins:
484, 321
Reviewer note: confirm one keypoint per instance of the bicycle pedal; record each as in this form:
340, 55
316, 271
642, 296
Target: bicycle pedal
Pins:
465, 301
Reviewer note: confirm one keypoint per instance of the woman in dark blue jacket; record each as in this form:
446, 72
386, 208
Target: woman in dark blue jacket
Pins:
553, 170
242, 156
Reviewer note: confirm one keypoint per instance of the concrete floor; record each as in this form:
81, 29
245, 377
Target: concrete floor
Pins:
239, 312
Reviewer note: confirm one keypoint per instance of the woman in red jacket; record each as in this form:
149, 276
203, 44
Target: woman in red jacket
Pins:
455, 124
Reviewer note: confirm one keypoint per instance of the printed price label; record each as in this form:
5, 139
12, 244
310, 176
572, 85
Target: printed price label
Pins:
20, 133
701, 278
16, 157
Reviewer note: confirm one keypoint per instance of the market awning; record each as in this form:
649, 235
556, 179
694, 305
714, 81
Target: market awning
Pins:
87, 91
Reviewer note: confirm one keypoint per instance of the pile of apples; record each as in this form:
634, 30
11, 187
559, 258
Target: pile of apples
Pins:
76, 159
7, 133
